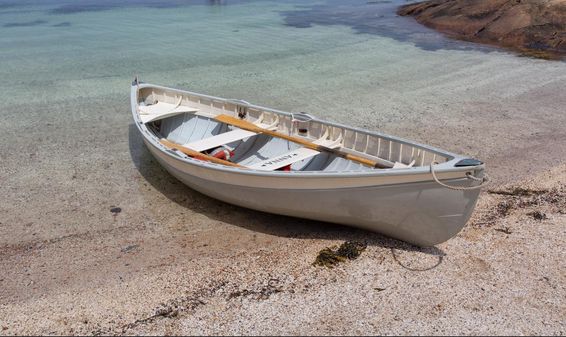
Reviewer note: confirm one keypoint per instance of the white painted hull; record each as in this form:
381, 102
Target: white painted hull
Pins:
404, 204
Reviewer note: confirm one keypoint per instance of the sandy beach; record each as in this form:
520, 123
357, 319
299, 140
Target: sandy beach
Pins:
174, 261
97, 238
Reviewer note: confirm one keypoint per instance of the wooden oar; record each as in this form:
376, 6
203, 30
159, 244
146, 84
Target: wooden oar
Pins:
197, 155
242, 124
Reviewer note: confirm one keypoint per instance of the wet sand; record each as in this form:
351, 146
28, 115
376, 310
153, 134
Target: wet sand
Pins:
173, 261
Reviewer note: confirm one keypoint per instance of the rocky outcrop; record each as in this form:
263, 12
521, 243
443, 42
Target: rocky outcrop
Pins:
533, 27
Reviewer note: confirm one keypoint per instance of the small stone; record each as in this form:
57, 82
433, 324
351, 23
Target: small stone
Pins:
505, 230
129, 248
538, 215
115, 210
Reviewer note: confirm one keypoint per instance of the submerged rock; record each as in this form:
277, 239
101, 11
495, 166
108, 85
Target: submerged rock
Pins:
533, 27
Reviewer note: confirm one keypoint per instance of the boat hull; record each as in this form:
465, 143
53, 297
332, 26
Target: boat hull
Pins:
419, 212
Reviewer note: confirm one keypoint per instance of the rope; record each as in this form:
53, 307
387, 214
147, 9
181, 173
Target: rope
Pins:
483, 181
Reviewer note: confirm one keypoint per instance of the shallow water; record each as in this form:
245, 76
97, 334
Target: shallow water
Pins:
61, 49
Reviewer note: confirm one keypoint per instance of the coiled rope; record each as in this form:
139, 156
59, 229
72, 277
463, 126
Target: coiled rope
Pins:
483, 181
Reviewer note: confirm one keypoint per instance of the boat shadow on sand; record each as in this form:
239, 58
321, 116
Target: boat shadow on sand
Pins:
261, 222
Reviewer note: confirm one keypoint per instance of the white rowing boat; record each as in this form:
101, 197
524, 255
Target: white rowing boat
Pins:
298, 165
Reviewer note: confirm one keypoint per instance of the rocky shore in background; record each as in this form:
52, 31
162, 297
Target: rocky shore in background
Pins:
533, 27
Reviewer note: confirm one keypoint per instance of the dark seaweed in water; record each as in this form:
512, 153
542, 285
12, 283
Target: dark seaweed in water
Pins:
349, 250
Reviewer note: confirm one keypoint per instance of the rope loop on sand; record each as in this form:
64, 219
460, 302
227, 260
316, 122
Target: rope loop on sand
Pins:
483, 181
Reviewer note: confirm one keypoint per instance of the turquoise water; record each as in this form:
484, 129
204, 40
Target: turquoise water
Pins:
60, 49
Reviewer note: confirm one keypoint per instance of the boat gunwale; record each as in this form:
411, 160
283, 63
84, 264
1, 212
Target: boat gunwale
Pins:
445, 167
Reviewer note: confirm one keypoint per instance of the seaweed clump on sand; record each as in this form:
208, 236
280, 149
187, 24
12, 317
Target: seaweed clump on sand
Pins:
349, 250
537, 200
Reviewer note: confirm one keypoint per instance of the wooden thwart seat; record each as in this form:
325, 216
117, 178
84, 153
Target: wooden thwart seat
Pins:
219, 140
227, 137
197, 155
